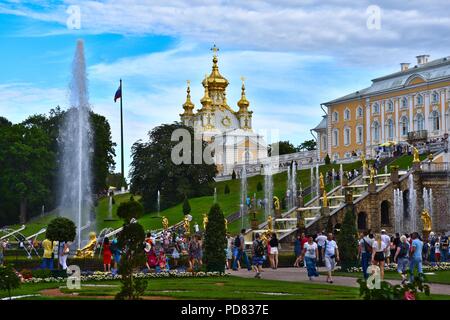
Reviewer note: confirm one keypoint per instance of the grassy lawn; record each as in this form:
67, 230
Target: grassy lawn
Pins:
442, 277
404, 162
209, 288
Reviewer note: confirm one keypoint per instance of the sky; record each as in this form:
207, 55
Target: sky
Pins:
294, 55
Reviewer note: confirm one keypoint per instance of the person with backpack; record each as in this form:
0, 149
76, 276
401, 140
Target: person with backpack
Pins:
239, 244
401, 257
365, 251
257, 255
310, 254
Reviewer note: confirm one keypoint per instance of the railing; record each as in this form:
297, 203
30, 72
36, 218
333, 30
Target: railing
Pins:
418, 135
436, 167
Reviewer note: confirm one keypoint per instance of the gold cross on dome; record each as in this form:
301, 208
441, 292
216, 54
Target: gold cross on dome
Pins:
188, 83
214, 49
243, 79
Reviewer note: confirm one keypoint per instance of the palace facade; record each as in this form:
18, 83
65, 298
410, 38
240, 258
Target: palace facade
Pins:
231, 132
409, 105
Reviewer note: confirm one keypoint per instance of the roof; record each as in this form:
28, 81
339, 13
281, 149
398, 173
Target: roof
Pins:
431, 71
322, 125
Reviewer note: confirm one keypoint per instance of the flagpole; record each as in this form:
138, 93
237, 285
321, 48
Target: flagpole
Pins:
121, 132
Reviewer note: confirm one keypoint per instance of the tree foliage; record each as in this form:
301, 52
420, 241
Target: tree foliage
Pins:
129, 210
9, 280
186, 206
215, 240
152, 169
348, 240
227, 189
61, 229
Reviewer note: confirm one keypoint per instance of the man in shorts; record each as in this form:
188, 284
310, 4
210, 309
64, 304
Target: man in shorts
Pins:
257, 255
331, 255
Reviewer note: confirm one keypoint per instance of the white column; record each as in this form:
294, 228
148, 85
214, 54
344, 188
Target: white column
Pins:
329, 134
382, 108
427, 109
368, 143
411, 113
396, 120
443, 126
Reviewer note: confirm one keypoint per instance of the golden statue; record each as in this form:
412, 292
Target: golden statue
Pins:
269, 224
322, 183
372, 175
426, 220
88, 250
186, 226
276, 203
226, 224
325, 199
165, 223
205, 221
363, 160
415, 155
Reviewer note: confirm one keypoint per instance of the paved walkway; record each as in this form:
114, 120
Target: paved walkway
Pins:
300, 275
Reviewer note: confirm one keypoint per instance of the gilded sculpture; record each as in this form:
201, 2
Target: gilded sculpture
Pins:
88, 250
186, 225
372, 175
205, 221
426, 220
322, 183
270, 224
416, 158
165, 223
325, 199
276, 203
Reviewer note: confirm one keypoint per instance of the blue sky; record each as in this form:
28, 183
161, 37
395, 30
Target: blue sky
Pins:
295, 54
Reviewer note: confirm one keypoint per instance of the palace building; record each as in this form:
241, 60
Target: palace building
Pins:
235, 142
409, 105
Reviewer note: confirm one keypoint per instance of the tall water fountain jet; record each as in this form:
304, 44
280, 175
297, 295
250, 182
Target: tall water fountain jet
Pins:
288, 188
317, 181
311, 178
294, 184
333, 174
215, 195
398, 211
412, 205
110, 205
158, 202
428, 201
243, 204
268, 191
341, 174
75, 143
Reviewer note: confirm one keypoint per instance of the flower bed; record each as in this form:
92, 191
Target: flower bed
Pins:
443, 266
104, 276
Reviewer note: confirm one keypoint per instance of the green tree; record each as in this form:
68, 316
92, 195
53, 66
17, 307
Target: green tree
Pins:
259, 186
186, 206
327, 159
62, 230
233, 175
284, 147
308, 145
215, 240
130, 210
347, 240
227, 189
115, 179
9, 280
152, 169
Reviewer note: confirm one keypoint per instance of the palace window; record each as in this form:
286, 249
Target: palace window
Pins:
335, 116
376, 108
405, 102
419, 123
419, 100
359, 134
347, 136
435, 97
376, 131
434, 119
404, 123
390, 106
335, 137
359, 112
324, 143
390, 129
347, 114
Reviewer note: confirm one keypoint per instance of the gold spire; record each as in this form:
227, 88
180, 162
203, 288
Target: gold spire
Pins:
243, 103
188, 106
215, 80
206, 100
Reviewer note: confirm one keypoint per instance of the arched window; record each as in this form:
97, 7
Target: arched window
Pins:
359, 134
419, 99
359, 112
390, 106
376, 108
362, 221
419, 122
335, 137
347, 114
347, 136
405, 102
385, 206
404, 124
390, 129
434, 119
335, 116
324, 143
376, 131
336, 157
435, 97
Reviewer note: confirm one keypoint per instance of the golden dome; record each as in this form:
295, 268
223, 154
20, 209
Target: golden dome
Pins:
188, 106
206, 100
215, 80
243, 103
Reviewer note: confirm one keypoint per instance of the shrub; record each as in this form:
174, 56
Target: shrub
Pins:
227, 189
259, 186
327, 159
347, 240
186, 206
62, 230
9, 280
233, 175
215, 240
41, 273
129, 210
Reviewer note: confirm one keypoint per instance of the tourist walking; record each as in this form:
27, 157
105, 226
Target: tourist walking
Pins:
2, 251
176, 252
365, 251
387, 243
194, 254
330, 252
297, 250
239, 243
116, 252
401, 257
320, 240
63, 254
229, 251
432, 255
257, 255
416, 256
443, 248
106, 255
47, 257
274, 251
378, 254
310, 254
